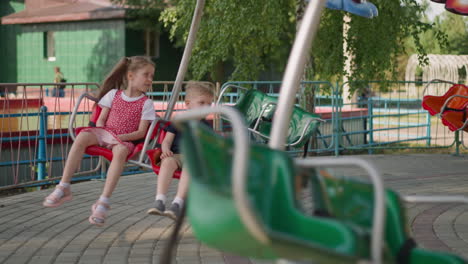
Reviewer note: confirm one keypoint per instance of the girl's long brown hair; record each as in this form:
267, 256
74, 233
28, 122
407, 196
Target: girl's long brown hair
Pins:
117, 78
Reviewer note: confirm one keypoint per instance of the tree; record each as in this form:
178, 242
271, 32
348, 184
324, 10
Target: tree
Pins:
144, 15
375, 43
250, 35
455, 30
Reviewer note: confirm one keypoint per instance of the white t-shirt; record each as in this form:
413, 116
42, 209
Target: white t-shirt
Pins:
148, 107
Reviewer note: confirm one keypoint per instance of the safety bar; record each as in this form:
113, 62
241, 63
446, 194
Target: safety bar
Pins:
433, 81
225, 89
149, 142
442, 109
239, 165
379, 195
435, 199
71, 130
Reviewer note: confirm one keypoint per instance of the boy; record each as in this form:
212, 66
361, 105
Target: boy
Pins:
196, 95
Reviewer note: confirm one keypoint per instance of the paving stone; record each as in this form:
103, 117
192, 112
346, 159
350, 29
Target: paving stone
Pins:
32, 234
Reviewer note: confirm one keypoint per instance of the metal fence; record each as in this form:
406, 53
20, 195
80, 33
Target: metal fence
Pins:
34, 140
380, 115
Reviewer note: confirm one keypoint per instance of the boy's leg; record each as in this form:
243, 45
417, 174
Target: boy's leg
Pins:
167, 168
62, 192
100, 208
179, 200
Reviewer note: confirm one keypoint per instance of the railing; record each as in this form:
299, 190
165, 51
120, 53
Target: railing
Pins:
386, 115
34, 142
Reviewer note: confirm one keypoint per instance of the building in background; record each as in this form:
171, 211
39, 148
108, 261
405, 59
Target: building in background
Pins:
85, 38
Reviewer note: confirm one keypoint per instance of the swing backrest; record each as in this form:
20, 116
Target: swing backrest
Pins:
215, 220
351, 201
254, 105
341, 237
433, 103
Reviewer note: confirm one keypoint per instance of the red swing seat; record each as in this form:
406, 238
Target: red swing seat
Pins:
451, 108
105, 152
153, 154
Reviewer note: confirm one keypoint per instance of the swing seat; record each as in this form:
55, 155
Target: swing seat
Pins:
258, 110
356, 7
459, 7
215, 221
341, 237
351, 201
97, 150
153, 154
450, 107
455, 120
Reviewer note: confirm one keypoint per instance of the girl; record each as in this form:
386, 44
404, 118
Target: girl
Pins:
125, 117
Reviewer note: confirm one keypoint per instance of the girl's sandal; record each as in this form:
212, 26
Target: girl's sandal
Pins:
54, 199
98, 218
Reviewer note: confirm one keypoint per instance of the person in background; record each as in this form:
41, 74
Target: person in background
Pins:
59, 90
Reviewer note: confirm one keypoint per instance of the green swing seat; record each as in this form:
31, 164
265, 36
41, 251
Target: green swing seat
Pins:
258, 109
341, 237
351, 201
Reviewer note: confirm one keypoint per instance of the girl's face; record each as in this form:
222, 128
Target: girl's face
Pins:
141, 79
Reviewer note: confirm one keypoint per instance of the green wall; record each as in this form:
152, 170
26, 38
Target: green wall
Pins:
85, 51
8, 42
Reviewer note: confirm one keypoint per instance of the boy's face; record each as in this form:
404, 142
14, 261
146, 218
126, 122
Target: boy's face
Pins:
199, 101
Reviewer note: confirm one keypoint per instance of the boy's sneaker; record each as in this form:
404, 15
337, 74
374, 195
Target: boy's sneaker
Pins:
173, 211
158, 208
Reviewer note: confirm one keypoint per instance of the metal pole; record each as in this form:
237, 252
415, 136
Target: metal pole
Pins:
185, 58
294, 70
41, 153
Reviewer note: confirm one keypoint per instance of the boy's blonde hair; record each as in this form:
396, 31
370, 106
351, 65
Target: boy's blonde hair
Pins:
193, 89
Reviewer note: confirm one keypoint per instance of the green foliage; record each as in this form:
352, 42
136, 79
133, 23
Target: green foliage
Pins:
454, 39
250, 35
143, 14
374, 43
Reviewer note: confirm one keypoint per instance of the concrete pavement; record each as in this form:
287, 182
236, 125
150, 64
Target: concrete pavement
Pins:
30, 233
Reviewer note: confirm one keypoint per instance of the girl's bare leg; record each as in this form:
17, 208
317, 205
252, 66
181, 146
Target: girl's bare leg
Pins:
100, 208
82, 141
120, 153
62, 192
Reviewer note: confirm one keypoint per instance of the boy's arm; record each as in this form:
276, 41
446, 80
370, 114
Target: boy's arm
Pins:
139, 134
166, 145
103, 116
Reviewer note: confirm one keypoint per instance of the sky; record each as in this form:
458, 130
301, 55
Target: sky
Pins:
435, 9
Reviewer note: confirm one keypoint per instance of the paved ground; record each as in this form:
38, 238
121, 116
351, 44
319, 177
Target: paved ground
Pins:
30, 233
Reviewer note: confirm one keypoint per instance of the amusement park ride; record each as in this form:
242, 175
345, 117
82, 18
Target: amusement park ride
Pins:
249, 188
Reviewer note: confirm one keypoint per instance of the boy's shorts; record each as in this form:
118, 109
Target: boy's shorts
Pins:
178, 160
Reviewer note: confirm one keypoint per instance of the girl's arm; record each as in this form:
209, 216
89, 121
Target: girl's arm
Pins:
139, 134
166, 145
103, 117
